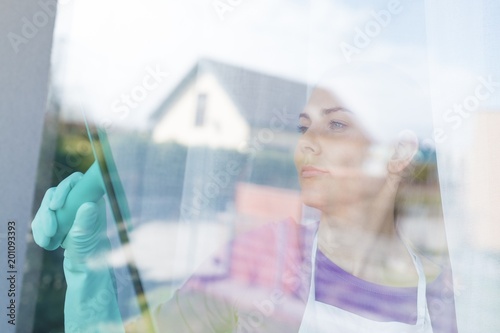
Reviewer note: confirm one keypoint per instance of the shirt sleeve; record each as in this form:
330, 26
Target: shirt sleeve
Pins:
254, 295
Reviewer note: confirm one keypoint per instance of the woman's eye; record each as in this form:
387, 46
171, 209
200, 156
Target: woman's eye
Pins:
301, 129
337, 125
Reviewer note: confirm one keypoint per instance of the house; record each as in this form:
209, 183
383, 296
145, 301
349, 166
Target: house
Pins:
225, 106
217, 105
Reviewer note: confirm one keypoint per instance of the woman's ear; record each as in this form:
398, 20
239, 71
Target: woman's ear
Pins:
405, 150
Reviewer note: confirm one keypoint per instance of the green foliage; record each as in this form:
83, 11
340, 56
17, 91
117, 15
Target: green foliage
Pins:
73, 152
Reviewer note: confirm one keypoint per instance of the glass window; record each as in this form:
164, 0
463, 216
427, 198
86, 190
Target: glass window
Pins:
283, 166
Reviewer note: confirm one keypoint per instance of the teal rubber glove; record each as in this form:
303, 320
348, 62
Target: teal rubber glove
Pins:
91, 303
63, 202
45, 224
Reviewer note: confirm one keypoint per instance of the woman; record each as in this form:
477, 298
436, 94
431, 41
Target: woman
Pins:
350, 272
357, 229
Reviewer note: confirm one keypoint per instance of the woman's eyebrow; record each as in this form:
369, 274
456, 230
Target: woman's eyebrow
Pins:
334, 109
325, 112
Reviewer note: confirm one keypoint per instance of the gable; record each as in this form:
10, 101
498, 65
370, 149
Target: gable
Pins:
202, 114
257, 96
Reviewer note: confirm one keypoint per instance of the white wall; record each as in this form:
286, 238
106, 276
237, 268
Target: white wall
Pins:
224, 126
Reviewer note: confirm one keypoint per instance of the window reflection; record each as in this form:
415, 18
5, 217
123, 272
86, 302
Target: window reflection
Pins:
203, 128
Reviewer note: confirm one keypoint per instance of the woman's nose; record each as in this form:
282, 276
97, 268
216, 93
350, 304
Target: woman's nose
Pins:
309, 144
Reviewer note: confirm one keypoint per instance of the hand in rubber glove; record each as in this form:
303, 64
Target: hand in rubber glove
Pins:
86, 237
45, 224
91, 304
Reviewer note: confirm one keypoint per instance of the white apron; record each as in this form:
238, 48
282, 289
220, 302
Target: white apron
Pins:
322, 318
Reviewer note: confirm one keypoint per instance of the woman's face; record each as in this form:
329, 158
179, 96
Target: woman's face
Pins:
332, 155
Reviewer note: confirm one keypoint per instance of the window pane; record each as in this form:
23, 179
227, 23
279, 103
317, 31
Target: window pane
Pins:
283, 160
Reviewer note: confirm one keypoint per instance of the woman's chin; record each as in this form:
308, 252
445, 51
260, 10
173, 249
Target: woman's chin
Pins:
325, 201
314, 199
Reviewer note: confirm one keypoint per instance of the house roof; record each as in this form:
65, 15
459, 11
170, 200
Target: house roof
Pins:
257, 95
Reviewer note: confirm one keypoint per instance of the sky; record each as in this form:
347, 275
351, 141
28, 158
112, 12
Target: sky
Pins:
106, 49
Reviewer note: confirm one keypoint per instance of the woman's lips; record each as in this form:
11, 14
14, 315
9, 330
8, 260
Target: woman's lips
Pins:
312, 171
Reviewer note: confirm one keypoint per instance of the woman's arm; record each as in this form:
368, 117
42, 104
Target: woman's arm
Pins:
91, 304
91, 300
